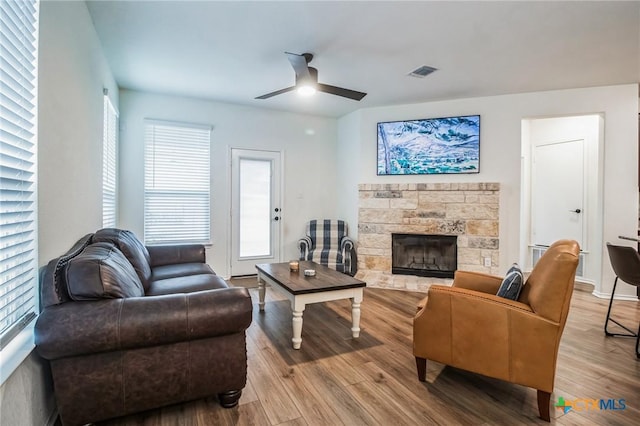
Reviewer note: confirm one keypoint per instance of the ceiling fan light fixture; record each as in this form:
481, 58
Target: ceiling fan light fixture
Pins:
306, 90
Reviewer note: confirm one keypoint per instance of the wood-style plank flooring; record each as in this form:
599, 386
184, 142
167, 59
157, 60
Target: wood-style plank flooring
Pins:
336, 380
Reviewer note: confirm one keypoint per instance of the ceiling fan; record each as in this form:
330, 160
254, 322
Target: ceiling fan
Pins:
307, 80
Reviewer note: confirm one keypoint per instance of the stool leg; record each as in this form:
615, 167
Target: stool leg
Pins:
606, 322
638, 342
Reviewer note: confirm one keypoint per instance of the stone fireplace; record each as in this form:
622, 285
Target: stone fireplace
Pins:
467, 211
424, 255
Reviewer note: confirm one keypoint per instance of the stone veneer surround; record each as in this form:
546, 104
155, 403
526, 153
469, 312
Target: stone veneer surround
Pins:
467, 210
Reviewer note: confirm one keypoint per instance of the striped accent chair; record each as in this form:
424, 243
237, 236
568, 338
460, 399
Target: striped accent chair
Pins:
326, 242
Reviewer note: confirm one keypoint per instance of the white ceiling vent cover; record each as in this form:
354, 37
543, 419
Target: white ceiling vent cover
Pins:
422, 71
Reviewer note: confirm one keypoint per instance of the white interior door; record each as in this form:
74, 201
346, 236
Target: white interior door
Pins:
558, 195
255, 209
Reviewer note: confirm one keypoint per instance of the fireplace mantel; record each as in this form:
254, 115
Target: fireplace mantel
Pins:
467, 210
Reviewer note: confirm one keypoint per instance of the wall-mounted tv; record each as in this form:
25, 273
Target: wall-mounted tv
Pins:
429, 146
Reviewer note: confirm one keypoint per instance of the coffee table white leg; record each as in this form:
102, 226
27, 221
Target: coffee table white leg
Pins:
355, 315
297, 308
261, 290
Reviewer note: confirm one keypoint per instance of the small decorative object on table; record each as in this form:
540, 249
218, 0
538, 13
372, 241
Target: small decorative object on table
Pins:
293, 266
309, 273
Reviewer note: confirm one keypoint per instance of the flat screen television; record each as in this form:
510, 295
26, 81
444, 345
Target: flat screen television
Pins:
429, 146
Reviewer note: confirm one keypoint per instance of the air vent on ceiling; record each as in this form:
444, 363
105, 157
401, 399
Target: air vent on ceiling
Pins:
422, 71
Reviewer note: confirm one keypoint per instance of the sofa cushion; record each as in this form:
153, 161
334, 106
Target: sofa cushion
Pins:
179, 270
512, 283
186, 284
101, 271
131, 247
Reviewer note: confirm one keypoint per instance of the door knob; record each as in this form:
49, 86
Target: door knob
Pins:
576, 211
276, 210
276, 218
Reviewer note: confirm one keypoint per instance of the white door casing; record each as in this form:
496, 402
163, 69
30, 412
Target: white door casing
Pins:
255, 209
556, 152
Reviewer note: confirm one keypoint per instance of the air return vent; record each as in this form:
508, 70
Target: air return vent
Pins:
422, 71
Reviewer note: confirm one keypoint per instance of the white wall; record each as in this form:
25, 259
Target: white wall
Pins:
500, 153
72, 74
309, 178
349, 164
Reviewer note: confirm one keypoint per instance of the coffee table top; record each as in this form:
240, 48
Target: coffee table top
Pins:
326, 279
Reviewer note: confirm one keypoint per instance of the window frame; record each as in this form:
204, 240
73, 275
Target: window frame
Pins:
109, 168
20, 342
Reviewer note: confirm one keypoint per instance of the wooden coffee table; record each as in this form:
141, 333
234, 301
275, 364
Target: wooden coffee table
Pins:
326, 285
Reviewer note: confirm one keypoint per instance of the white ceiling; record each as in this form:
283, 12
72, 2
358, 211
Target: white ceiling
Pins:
232, 51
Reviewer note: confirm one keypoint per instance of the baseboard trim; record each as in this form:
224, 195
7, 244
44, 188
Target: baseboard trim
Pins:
630, 298
585, 286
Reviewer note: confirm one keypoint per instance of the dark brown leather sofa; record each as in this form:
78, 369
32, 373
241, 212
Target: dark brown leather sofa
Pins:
128, 328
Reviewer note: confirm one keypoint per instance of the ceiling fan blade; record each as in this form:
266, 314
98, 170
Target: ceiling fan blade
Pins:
299, 64
345, 93
277, 92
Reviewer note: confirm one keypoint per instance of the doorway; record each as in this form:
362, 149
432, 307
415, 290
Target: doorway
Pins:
561, 191
255, 209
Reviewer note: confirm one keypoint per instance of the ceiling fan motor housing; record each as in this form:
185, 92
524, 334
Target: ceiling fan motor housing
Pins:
312, 78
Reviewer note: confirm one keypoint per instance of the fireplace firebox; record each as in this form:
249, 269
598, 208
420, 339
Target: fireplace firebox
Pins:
424, 255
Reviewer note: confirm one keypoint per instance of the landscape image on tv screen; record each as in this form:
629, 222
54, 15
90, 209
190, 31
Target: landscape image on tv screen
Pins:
429, 146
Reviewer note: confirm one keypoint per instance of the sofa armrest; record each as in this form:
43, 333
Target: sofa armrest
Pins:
78, 328
172, 254
477, 281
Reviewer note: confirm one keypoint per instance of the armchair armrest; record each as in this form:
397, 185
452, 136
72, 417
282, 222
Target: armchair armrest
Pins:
346, 244
477, 281
438, 292
305, 245
77, 328
173, 254
348, 249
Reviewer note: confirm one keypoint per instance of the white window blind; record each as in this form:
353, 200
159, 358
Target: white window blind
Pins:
176, 183
18, 252
109, 164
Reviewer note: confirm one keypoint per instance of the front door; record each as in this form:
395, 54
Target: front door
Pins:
255, 209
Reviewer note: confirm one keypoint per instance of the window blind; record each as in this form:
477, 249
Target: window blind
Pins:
176, 183
18, 252
109, 164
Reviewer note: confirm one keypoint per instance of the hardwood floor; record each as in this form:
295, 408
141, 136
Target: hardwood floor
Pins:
336, 380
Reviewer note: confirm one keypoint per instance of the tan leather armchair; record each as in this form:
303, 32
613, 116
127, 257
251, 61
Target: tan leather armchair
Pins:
468, 327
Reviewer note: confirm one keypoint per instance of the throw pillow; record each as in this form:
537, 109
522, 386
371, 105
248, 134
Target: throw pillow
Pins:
512, 283
101, 272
